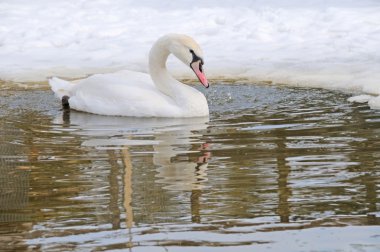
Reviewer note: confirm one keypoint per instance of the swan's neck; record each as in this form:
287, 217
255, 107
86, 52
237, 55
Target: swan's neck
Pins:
157, 67
189, 101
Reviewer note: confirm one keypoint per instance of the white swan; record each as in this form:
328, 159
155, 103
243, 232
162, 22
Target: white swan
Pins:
128, 93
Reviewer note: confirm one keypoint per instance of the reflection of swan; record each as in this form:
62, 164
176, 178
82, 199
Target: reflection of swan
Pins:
128, 93
169, 137
98, 125
184, 174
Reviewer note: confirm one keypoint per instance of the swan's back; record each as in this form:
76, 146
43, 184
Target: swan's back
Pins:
124, 93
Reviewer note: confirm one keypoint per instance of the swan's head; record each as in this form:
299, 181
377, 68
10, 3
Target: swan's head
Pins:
189, 52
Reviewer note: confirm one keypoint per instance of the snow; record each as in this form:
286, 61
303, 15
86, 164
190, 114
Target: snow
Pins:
361, 98
315, 43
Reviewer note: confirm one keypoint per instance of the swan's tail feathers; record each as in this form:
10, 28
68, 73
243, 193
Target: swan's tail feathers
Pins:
60, 87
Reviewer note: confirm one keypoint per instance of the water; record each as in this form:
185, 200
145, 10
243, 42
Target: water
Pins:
274, 169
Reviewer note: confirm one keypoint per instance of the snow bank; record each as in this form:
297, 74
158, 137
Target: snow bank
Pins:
328, 44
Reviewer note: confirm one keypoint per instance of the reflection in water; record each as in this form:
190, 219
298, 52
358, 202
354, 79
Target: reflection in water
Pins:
284, 192
127, 187
180, 174
114, 190
269, 159
170, 137
184, 174
128, 194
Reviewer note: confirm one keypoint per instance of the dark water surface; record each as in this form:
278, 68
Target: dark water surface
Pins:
274, 169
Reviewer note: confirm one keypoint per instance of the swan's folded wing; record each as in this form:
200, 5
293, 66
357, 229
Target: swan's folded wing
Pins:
123, 93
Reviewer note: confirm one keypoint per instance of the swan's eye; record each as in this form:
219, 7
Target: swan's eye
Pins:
195, 57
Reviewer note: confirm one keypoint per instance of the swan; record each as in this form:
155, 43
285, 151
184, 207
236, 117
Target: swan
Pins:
129, 93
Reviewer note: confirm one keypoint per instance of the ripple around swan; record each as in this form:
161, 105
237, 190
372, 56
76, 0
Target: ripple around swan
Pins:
272, 165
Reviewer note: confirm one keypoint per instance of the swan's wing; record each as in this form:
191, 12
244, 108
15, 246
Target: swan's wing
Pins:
123, 93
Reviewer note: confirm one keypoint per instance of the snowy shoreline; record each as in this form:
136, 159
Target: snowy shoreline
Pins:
334, 45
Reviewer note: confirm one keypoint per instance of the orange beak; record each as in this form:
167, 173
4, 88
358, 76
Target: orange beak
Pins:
197, 68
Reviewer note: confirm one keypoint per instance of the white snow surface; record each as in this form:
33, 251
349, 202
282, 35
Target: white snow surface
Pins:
315, 43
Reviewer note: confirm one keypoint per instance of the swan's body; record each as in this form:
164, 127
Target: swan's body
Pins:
128, 93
